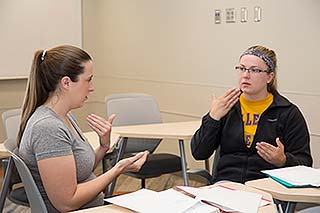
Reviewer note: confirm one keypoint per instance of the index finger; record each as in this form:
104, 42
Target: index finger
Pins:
232, 92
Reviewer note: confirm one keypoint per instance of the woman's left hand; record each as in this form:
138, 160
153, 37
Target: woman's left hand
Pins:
272, 154
102, 128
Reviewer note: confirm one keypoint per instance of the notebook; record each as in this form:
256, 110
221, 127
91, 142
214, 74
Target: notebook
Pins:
295, 176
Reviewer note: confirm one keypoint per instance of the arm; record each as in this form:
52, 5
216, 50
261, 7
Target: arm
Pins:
207, 137
293, 142
296, 140
58, 175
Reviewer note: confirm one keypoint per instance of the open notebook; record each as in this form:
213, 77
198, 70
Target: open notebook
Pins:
295, 176
186, 199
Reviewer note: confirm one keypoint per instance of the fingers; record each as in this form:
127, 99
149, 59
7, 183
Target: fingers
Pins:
133, 164
99, 124
272, 154
221, 106
111, 118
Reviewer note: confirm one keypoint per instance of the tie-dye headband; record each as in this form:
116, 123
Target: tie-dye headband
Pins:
259, 54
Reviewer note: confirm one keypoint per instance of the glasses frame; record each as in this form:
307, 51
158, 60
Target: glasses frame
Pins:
251, 70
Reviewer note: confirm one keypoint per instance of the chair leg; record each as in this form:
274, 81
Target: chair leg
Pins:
143, 183
6, 183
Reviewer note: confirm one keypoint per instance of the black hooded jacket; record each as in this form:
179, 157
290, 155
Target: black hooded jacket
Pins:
237, 162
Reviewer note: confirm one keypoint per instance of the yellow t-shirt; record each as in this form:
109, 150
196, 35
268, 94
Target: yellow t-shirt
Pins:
251, 111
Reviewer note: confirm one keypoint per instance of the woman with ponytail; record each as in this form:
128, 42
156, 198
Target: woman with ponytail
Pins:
50, 141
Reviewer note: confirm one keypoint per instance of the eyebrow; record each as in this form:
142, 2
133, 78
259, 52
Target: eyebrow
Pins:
254, 66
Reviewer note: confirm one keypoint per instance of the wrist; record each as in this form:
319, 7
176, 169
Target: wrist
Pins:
104, 148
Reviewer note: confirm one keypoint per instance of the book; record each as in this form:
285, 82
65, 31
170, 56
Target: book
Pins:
225, 198
295, 176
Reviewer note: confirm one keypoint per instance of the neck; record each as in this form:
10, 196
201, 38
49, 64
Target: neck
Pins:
57, 105
256, 97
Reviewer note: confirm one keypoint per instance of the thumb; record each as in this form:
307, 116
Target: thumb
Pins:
279, 144
214, 97
111, 118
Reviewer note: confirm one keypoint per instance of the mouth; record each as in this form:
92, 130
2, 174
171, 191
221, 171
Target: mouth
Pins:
245, 84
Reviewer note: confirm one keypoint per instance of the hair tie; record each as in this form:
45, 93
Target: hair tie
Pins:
43, 54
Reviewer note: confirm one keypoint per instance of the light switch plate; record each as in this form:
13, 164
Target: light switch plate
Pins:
257, 14
230, 15
217, 16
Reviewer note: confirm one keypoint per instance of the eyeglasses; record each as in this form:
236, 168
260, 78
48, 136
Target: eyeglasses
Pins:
251, 70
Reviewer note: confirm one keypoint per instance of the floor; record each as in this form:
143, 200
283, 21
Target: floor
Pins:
124, 184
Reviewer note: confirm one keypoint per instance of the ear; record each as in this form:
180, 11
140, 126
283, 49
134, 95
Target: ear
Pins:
65, 82
270, 77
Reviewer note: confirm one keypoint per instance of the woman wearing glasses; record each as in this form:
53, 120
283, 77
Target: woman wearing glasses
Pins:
255, 127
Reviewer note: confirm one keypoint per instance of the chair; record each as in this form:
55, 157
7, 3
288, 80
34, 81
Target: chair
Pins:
11, 122
135, 109
33, 195
205, 173
315, 209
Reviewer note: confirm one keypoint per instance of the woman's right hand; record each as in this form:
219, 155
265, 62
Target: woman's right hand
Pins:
221, 106
132, 164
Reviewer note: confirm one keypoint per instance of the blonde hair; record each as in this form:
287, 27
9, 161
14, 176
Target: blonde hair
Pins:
270, 58
48, 68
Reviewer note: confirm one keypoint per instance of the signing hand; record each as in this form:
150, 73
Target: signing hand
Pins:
272, 154
102, 128
132, 164
221, 106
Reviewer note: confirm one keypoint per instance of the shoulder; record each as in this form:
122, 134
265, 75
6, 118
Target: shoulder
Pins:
43, 121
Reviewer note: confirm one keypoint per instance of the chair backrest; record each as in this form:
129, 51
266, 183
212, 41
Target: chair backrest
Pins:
11, 122
35, 199
134, 109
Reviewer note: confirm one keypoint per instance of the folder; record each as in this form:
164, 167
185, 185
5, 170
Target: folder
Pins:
295, 176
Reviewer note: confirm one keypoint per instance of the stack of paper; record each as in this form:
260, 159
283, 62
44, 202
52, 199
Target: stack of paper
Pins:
296, 176
226, 199
189, 199
170, 200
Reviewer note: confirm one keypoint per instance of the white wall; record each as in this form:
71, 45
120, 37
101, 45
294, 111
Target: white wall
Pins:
27, 26
173, 50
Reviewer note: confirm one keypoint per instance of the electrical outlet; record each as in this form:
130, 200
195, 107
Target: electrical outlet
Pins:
230, 15
217, 16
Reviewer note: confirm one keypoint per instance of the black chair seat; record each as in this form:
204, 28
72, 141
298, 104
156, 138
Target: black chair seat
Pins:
19, 196
158, 164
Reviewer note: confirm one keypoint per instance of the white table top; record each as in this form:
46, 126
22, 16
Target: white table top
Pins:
173, 130
281, 192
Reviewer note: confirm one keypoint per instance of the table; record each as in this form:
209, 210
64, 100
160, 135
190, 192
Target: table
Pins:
264, 209
3, 151
93, 140
179, 131
280, 192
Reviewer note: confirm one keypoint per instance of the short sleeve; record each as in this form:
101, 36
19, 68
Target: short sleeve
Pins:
51, 138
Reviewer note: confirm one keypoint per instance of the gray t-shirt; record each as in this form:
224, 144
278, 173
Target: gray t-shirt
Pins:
47, 136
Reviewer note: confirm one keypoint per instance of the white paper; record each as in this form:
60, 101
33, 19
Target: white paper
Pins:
297, 175
170, 200
227, 199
